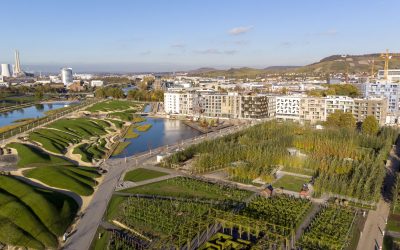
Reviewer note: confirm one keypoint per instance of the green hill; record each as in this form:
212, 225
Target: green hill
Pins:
331, 64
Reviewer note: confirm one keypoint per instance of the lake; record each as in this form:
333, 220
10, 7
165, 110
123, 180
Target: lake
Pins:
34, 111
163, 132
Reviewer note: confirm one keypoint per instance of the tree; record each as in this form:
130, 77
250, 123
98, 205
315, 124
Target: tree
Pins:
39, 95
370, 126
341, 119
100, 93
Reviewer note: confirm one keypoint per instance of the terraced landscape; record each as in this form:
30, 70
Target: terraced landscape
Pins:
33, 217
40, 199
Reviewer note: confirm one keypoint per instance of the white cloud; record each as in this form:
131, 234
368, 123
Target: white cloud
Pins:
216, 52
239, 30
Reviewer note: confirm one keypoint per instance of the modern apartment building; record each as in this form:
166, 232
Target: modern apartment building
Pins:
288, 107
307, 109
312, 109
384, 89
343, 103
370, 106
257, 106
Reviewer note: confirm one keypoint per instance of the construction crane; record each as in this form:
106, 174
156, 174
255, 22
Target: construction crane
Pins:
372, 62
386, 56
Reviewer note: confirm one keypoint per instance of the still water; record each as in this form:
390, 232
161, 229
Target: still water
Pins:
163, 132
34, 111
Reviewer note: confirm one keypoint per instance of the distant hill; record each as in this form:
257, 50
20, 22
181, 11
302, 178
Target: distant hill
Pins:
330, 64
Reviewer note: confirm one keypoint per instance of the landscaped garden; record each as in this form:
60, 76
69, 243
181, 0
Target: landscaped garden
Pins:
114, 105
330, 229
343, 161
33, 217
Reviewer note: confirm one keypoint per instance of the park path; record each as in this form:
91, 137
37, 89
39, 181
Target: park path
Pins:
372, 235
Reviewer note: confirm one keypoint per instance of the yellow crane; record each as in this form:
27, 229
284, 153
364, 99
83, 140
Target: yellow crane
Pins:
386, 56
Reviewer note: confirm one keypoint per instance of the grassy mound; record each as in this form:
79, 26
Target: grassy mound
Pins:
30, 156
82, 127
142, 174
77, 179
32, 217
53, 140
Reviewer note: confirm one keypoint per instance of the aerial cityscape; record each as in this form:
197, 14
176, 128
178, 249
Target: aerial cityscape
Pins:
200, 125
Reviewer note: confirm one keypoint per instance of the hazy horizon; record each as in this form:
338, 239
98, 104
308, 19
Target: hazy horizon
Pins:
177, 35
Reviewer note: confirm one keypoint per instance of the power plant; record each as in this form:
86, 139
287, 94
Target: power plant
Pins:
17, 70
5, 70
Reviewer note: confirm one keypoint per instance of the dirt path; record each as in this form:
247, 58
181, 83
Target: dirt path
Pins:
372, 235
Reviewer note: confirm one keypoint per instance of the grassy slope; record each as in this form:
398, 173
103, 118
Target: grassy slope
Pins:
30, 156
142, 174
121, 147
32, 217
77, 179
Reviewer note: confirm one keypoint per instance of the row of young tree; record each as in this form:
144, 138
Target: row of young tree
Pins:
343, 160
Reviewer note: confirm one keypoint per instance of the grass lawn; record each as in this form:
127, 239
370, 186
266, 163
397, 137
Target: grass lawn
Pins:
102, 242
143, 128
292, 183
120, 147
89, 152
113, 205
113, 105
33, 217
77, 179
142, 174
117, 123
185, 187
30, 156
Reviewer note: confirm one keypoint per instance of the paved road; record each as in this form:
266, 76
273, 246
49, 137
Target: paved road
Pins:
372, 235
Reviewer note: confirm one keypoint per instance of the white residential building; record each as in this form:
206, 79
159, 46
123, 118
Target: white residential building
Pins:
334, 103
288, 107
172, 102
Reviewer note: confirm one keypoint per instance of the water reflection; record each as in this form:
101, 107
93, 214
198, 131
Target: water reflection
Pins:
163, 132
34, 111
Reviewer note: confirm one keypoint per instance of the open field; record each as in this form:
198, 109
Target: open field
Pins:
343, 161
32, 217
186, 187
142, 174
79, 180
292, 183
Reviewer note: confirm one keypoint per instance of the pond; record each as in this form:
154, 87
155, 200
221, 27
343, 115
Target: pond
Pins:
34, 111
163, 132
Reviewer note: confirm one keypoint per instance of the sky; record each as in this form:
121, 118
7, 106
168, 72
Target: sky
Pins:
173, 35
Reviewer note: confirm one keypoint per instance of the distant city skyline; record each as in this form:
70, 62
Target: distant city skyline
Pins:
134, 36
